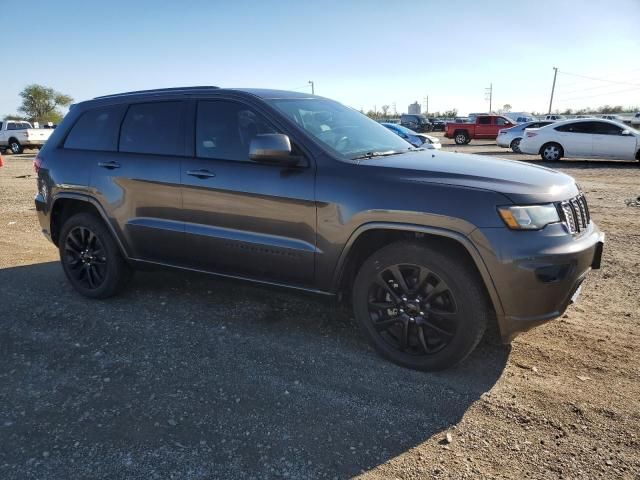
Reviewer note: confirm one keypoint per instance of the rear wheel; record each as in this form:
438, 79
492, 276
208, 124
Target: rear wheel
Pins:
420, 307
515, 145
90, 257
461, 138
551, 152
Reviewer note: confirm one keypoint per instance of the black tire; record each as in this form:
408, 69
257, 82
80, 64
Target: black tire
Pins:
91, 258
515, 145
15, 147
551, 152
451, 307
461, 138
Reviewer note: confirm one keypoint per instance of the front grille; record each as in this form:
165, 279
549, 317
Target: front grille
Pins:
575, 214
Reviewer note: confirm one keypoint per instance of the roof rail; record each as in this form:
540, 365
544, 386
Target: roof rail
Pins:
158, 90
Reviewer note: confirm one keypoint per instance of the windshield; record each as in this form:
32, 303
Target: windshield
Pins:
342, 129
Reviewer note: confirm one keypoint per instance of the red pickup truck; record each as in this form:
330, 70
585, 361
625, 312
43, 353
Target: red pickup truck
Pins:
484, 126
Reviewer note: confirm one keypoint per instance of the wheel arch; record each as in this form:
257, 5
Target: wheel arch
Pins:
370, 237
64, 205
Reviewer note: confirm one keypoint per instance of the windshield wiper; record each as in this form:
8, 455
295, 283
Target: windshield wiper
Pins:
386, 154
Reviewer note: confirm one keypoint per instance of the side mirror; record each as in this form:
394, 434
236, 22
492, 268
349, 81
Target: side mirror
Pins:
626, 132
272, 148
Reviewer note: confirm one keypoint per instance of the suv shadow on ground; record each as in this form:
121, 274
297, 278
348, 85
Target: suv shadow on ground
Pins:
196, 377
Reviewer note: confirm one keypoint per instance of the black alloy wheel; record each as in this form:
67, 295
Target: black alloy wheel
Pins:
85, 257
413, 309
91, 258
420, 306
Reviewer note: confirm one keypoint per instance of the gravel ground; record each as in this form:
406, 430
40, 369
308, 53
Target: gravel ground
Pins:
186, 376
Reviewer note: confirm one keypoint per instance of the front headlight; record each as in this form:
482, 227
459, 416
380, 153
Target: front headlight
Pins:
530, 217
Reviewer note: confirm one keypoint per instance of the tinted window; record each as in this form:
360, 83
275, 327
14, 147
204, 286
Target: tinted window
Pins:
96, 129
484, 120
153, 128
225, 129
573, 127
604, 128
502, 121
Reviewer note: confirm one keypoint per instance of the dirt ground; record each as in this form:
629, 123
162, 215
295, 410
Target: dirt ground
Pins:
189, 377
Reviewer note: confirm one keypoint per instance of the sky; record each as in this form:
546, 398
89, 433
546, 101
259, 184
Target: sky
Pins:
361, 53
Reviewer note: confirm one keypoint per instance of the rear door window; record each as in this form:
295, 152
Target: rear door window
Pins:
484, 120
96, 129
155, 128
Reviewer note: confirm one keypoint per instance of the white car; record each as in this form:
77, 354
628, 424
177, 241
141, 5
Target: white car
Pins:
615, 118
582, 138
430, 142
16, 135
635, 121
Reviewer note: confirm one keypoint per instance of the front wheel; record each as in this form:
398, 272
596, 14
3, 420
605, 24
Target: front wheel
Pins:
420, 307
90, 257
15, 147
515, 145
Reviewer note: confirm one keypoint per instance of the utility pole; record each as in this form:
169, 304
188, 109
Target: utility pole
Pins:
489, 92
313, 91
555, 74
427, 112
395, 112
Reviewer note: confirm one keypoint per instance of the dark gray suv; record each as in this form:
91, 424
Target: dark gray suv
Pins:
296, 190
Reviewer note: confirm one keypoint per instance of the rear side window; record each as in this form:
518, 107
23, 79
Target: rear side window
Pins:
484, 120
155, 128
96, 129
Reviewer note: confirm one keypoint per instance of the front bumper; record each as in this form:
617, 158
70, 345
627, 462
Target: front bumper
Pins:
536, 274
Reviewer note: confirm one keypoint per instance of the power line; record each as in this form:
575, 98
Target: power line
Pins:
619, 74
599, 94
599, 79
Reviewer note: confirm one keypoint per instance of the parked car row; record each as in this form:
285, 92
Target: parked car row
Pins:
582, 138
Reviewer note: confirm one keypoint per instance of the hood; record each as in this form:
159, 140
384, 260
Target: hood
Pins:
521, 182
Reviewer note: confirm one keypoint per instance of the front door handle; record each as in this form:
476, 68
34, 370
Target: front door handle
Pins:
202, 173
110, 165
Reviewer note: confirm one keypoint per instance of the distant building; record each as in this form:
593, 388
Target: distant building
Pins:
414, 108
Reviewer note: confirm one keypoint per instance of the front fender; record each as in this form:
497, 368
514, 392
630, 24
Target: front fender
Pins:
460, 238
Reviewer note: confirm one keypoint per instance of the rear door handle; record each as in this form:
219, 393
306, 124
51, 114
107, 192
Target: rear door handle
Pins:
202, 173
110, 165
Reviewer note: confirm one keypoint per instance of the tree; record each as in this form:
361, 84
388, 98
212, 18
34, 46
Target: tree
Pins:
40, 103
385, 110
506, 108
15, 117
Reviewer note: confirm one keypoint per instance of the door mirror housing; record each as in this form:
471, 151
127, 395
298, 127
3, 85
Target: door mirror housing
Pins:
626, 132
272, 148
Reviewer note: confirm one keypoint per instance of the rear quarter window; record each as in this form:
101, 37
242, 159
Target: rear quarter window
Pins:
96, 129
155, 128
